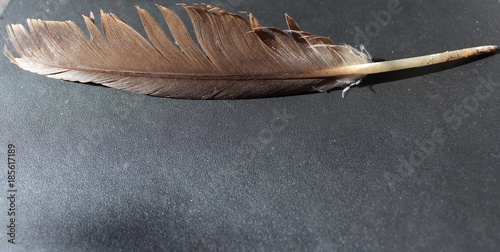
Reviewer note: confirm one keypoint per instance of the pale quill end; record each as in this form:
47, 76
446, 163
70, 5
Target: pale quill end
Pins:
474, 51
488, 48
401, 64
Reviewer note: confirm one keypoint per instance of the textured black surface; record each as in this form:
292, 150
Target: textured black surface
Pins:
105, 170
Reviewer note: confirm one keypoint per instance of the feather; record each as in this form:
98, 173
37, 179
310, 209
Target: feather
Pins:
231, 58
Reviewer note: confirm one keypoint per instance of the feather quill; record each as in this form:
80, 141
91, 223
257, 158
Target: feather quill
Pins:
232, 57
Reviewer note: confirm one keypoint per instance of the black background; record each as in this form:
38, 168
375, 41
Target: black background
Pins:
102, 169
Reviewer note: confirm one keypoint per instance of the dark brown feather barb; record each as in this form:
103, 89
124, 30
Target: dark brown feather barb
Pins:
233, 58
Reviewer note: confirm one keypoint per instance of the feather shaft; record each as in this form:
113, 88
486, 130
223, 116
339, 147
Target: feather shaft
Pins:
401, 64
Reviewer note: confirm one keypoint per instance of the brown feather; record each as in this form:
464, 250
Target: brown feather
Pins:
233, 58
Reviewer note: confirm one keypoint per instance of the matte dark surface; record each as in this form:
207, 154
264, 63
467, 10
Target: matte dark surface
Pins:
105, 170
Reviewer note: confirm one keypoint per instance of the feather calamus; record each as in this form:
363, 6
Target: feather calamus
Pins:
231, 58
